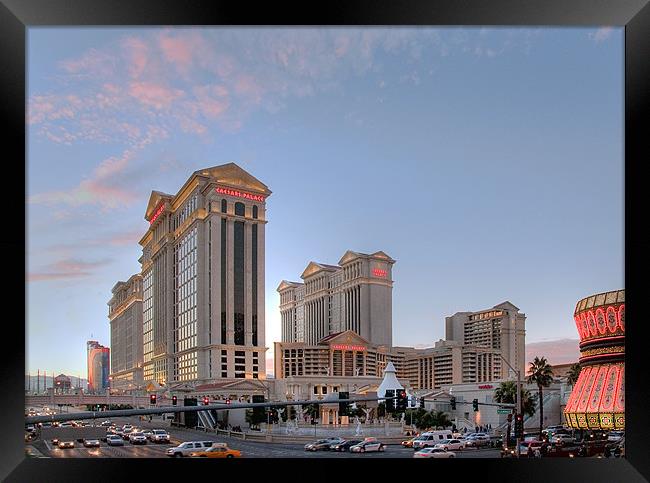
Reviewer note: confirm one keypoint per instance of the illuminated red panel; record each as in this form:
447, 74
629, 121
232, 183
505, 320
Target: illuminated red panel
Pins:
621, 317
585, 329
345, 347
611, 319
378, 272
239, 194
157, 213
607, 403
577, 390
586, 392
620, 391
578, 325
591, 322
597, 393
601, 324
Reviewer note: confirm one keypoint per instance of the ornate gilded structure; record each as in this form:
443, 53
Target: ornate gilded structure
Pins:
598, 397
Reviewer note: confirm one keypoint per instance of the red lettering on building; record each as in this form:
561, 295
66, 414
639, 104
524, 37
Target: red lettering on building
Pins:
345, 347
159, 210
378, 272
239, 194
486, 386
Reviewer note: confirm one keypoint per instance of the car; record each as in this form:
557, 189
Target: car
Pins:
433, 453
561, 439
409, 442
126, 433
65, 424
184, 449
367, 446
344, 445
147, 433
127, 426
447, 444
30, 428
218, 450
478, 440
615, 436
66, 444
323, 444
91, 443
55, 441
106, 423
114, 440
523, 447
430, 438
159, 436
137, 438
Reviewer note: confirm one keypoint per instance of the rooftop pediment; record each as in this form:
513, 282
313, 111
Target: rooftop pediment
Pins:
232, 175
156, 198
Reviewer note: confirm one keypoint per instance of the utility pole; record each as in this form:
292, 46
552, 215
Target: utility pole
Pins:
517, 401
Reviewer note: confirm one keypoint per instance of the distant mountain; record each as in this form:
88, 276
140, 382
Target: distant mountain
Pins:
32, 385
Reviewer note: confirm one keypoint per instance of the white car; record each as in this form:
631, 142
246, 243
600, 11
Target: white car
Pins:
366, 446
184, 449
91, 443
137, 438
159, 436
561, 438
433, 453
478, 440
128, 427
114, 440
615, 436
447, 444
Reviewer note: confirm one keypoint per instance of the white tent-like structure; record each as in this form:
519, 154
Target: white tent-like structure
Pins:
389, 382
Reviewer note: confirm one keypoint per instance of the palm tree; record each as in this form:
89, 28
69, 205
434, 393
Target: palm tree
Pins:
541, 374
505, 393
440, 419
572, 375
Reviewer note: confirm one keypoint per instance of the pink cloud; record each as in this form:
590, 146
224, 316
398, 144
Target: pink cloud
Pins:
66, 269
560, 351
93, 63
138, 53
180, 49
154, 95
247, 86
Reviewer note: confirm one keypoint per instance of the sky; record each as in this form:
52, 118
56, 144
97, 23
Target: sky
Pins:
488, 162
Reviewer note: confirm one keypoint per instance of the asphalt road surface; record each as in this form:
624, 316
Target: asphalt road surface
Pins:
249, 449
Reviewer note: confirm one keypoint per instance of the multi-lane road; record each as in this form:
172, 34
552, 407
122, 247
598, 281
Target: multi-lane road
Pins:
249, 449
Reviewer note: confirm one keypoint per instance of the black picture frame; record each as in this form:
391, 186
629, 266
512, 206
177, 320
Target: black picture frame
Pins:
18, 15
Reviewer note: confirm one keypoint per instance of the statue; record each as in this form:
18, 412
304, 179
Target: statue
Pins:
357, 432
367, 411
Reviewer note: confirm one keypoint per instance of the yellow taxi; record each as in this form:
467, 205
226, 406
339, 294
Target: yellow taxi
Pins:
218, 450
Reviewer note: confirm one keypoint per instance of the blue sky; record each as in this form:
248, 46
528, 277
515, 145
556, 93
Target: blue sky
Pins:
487, 162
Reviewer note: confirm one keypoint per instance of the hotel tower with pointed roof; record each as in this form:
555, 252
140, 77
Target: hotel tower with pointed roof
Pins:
203, 279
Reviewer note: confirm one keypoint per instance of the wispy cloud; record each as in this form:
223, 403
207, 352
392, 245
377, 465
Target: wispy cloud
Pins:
67, 269
601, 34
559, 351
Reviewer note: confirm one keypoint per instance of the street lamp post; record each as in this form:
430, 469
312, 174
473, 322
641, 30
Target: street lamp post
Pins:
518, 401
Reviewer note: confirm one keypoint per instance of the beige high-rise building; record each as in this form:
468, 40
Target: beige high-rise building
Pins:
203, 279
501, 327
125, 315
354, 295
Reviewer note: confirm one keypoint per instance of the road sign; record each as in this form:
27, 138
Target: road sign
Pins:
504, 411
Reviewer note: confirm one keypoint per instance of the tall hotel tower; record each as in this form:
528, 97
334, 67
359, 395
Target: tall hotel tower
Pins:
203, 279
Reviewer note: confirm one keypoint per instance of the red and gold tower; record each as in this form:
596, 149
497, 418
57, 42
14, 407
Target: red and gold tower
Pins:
598, 397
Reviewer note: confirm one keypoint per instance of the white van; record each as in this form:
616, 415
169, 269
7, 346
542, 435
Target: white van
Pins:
431, 438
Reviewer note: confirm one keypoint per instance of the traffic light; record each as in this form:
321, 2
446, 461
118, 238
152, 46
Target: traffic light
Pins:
390, 403
343, 406
174, 400
519, 426
402, 400
422, 402
452, 401
152, 399
228, 401
206, 400
475, 404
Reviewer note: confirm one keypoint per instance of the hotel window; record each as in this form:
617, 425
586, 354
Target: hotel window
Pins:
238, 281
255, 211
224, 206
240, 209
